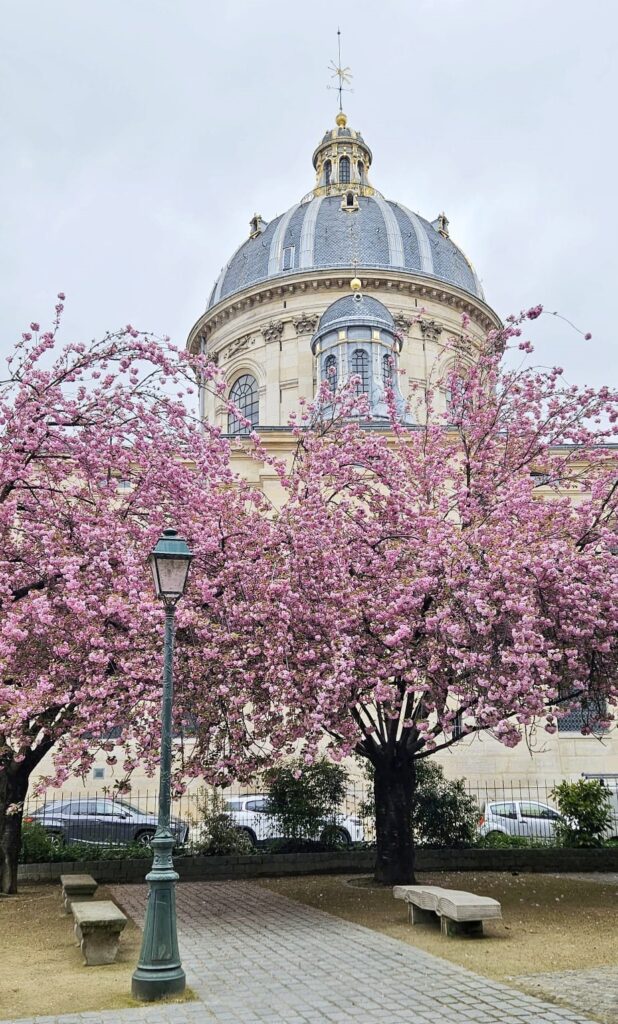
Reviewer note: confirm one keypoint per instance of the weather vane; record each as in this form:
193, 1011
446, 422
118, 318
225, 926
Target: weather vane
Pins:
343, 74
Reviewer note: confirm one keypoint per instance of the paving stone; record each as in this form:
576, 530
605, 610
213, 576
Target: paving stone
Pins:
255, 957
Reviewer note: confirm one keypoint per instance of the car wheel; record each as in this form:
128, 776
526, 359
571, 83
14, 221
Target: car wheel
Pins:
144, 838
250, 834
336, 835
55, 839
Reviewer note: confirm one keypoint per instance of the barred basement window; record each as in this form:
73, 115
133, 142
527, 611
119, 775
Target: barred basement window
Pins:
360, 368
244, 394
344, 170
330, 372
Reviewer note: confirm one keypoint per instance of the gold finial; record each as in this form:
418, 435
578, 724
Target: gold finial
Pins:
356, 284
341, 119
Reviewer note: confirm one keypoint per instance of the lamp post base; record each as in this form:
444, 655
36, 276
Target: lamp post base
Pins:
159, 972
150, 985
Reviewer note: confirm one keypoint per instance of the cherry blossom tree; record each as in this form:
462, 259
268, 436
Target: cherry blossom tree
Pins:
412, 589
435, 581
98, 451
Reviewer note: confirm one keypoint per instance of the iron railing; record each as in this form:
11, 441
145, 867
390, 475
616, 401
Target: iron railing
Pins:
102, 819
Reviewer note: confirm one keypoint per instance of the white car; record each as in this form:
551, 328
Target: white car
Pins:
250, 815
526, 818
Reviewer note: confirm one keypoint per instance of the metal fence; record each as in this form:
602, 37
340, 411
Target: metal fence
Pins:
522, 811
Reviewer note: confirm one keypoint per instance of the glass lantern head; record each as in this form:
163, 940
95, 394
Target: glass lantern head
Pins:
170, 563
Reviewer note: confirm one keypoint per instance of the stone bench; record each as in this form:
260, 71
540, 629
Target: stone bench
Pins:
77, 887
459, 912
98, 924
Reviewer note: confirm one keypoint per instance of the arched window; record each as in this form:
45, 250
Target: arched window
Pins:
360, 368
452, 383
387, 370
330, 372
328, 170
361, 171
244, 394
344, 169
349, 199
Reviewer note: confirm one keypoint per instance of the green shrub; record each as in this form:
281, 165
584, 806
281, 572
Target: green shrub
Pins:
36, 846
443, 812
501, 841
220, 836
585, 806
304, 798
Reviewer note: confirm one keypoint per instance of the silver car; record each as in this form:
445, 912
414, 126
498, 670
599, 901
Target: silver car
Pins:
101, 821
525, 818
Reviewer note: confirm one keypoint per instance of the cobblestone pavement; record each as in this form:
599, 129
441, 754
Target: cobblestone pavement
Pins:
593, 991
255, 957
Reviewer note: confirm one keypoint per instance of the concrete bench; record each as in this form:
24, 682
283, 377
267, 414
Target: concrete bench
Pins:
98, 924
459, 912
77, 887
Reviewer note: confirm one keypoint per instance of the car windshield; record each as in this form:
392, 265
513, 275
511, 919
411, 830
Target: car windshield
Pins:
128, 807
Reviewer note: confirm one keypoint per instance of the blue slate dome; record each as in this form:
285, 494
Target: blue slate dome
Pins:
345, 224
363, 309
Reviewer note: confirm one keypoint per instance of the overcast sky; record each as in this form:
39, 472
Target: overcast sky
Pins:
139, 136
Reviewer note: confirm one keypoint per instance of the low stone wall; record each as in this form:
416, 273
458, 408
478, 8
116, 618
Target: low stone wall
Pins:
533, 860
261, 865
200, 868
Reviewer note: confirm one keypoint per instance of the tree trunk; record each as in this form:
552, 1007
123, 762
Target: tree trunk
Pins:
14, 779
14, 789
394, 783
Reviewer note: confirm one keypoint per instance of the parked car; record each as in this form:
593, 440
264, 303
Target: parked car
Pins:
525, 818
250, 815
101, 821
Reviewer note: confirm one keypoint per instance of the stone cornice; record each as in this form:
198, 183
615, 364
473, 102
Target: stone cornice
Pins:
417, 285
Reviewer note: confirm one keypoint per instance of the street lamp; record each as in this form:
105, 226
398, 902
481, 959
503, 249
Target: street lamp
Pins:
159, 971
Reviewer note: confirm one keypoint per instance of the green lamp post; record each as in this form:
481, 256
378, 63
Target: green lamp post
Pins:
159, 971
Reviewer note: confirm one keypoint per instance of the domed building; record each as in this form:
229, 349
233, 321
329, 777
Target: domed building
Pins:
345, 282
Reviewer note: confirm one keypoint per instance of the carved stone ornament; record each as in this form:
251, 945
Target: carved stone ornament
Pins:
431, 330
403, 323
238, 345
305, 324
464, 344
274, 330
